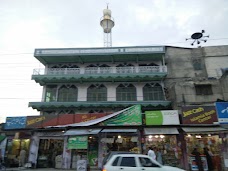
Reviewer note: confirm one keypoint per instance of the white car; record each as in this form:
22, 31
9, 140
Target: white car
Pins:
135, 162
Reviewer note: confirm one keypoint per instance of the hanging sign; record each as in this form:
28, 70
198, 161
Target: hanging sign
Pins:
78, 142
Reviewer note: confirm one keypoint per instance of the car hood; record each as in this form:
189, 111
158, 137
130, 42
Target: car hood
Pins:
170, 168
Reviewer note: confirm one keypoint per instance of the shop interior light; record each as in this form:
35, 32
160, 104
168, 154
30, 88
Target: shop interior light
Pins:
119, 136
209, 135
63, 131
150, 136
198, 136
156, 136
189, 135
90, 137
162, 136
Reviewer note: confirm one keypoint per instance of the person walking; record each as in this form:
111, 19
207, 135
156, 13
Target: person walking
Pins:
151, 153
198, 160
22, 158
159, 156
209, 155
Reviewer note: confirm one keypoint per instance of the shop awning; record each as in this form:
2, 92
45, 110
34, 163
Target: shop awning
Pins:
153, 131
203, 129
82, 132
119, 130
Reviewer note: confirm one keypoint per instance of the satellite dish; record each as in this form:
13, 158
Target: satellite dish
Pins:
198, 37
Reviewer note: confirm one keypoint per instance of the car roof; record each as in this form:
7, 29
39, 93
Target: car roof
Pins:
121, 152
132, 154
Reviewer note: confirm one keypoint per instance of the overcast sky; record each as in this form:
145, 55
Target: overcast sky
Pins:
29, 24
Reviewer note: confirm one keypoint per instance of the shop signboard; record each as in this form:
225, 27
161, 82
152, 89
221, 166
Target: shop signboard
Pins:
222, 112
132, 116
62, 119
162, 117
78, 142
194, 167
199, 115
15, 123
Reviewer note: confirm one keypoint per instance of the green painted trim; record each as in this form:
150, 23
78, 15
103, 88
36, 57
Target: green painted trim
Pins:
42, 79
99, 51
90, 55
84, 104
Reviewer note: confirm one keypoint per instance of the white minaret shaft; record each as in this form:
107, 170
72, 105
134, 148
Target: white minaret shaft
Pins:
107, 23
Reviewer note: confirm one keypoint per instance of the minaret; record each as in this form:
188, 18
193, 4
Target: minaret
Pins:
107, 23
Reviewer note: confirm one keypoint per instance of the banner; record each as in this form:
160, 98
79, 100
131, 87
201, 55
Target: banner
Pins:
199, 115
222, 112
162, 117
132, 116
79, 142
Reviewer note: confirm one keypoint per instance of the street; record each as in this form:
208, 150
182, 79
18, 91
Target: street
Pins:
43, 169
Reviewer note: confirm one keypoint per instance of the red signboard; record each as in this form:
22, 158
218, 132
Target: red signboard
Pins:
62, 119
199, 115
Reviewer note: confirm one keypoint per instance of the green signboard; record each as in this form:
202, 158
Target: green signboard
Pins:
79, 142
132, 116
162, 117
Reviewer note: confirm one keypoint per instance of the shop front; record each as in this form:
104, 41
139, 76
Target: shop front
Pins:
201, 138
82, 144
164, 141
203, 133
18, 139
122, 139
47, 149
161, 134
14, 146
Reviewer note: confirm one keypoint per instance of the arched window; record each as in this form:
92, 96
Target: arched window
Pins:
68, 94
97, 93
153, 92
50, 93
126, 92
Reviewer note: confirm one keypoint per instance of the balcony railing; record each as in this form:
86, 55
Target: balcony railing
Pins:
100, 70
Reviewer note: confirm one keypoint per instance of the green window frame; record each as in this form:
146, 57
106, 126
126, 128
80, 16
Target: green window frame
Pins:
68, 93
97, 93
126, 92
50, 95
153, 92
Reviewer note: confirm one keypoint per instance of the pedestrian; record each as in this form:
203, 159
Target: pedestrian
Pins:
151, 153
208, 155
159, 156
22, 157
198, 160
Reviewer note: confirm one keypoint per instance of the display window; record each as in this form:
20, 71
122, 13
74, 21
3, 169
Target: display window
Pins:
120, 143
84, 150
13, 148
50, 153
201, 142
166, 148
